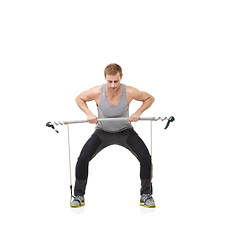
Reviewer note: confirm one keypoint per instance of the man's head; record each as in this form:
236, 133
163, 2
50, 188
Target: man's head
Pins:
113, 75
112, 69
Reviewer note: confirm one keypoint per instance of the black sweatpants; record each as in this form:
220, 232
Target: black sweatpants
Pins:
101, 139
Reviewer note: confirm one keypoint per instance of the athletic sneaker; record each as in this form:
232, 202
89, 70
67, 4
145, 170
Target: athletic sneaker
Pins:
147, 201
77, 201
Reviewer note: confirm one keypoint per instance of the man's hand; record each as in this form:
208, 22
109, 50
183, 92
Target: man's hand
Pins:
134, 117
92, 119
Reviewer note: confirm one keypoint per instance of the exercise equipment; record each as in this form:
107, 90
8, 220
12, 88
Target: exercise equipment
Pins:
52, 124
151, 119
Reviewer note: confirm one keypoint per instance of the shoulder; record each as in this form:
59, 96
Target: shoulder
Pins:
95, 90
132, 91
91, 94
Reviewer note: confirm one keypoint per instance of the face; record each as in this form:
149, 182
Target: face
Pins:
113, 82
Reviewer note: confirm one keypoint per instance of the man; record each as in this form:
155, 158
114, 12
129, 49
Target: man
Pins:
113, 99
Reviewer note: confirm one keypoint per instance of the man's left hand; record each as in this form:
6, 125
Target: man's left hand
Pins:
134, 117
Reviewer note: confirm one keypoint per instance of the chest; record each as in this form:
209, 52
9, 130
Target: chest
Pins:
113, 100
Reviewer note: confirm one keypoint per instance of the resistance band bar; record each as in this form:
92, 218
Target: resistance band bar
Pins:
170, 119
51, 125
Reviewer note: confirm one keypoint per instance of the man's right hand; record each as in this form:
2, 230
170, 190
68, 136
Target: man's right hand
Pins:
92, 119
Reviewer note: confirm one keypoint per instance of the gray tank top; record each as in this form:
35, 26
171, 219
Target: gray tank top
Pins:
121, 110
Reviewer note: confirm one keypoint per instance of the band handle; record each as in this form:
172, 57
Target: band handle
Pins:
49, 124
171, 119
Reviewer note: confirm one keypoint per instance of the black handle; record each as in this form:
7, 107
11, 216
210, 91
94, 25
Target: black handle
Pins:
48, 124
171, 119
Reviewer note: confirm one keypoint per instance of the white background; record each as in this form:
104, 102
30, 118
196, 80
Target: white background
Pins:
184, 53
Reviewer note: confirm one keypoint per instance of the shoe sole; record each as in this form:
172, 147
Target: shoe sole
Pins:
150, 206
75, 206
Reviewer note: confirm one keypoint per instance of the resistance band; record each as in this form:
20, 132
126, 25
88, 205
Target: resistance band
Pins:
52, 124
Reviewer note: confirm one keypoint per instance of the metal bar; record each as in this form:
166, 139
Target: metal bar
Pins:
109, 120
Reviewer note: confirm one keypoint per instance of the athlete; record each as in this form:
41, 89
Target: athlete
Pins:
113, 99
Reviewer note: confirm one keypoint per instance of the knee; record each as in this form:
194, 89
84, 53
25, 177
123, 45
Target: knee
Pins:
83, 159
145, 159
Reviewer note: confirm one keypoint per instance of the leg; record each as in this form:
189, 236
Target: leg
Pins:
90, 149
139, 149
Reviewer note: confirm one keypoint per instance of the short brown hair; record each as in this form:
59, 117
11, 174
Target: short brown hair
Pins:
112, 69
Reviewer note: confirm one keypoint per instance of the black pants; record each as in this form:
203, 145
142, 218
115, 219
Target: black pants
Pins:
101, 139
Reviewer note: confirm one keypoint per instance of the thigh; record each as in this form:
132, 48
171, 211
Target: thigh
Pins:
98, 141
91, 147
137, 146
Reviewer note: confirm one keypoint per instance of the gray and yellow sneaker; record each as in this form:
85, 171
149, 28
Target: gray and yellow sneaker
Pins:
77, 201
146, 200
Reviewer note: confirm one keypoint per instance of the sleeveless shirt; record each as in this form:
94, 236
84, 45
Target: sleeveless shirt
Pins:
121, 110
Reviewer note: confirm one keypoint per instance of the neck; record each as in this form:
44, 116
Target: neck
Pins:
113, 93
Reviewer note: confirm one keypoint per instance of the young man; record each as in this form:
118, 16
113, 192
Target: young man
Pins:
113, 99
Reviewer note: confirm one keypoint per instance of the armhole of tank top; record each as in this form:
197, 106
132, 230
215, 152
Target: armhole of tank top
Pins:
124, 90
125, 93
101, 95
122, 94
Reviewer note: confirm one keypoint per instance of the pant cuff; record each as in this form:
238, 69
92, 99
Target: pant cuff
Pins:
80, 186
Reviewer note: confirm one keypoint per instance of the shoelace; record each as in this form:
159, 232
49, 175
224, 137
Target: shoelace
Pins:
146, 197
78, 199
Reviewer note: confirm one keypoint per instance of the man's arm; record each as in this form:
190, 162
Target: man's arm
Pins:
144, 97
86, 96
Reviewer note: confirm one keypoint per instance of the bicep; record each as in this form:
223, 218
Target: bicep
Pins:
138, 95
89, 95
